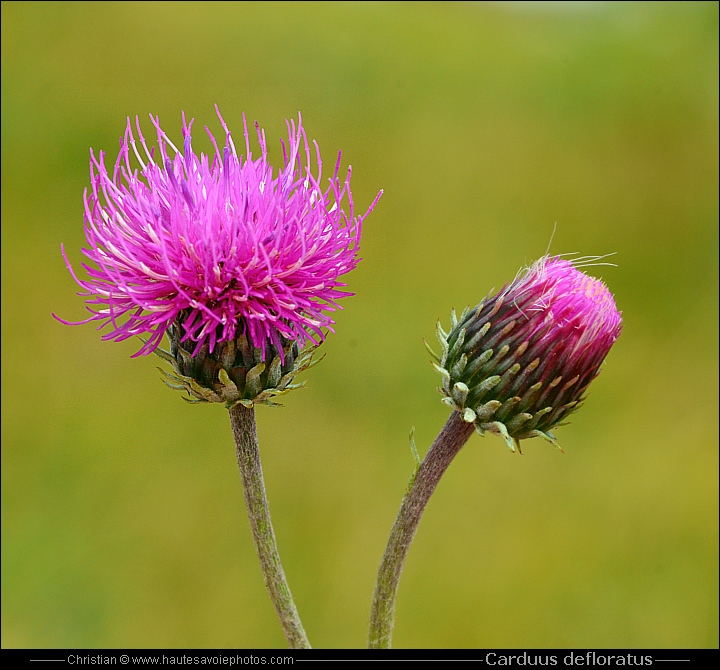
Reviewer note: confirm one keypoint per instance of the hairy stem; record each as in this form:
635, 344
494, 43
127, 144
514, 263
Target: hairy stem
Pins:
242, 420
447, 444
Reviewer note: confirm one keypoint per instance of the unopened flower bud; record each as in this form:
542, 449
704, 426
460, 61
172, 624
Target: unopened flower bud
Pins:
519, 363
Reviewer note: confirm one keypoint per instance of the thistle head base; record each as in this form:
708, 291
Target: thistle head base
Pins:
235, 372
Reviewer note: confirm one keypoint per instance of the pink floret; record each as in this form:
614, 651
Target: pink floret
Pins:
224, 244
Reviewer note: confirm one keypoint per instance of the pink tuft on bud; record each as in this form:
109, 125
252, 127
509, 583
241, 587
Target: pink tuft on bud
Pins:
581, 308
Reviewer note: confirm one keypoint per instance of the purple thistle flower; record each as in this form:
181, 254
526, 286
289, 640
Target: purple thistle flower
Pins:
519, 363
216, 248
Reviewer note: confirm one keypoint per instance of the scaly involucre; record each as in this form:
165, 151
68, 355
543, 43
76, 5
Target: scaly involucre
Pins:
219, 246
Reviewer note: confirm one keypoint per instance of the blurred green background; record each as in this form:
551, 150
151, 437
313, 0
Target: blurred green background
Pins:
485, 123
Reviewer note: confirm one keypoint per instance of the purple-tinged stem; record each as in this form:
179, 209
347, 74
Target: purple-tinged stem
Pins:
242, 420
447, 444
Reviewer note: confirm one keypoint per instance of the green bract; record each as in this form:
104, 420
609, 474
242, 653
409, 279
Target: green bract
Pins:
235, 372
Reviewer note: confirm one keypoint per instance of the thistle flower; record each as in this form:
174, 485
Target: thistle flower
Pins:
518, 364
239, 264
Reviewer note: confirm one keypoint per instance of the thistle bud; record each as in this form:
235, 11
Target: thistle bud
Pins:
519, 363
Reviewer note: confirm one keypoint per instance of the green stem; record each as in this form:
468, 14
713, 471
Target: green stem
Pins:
447, 444
242, 420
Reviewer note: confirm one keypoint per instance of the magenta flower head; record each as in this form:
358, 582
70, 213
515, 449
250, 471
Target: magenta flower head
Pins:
518, 364
237, 262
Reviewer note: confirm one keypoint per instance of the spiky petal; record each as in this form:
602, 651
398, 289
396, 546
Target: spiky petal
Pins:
217, 247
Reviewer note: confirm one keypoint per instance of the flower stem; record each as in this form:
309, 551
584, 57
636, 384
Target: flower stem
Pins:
447, 444
242, 420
